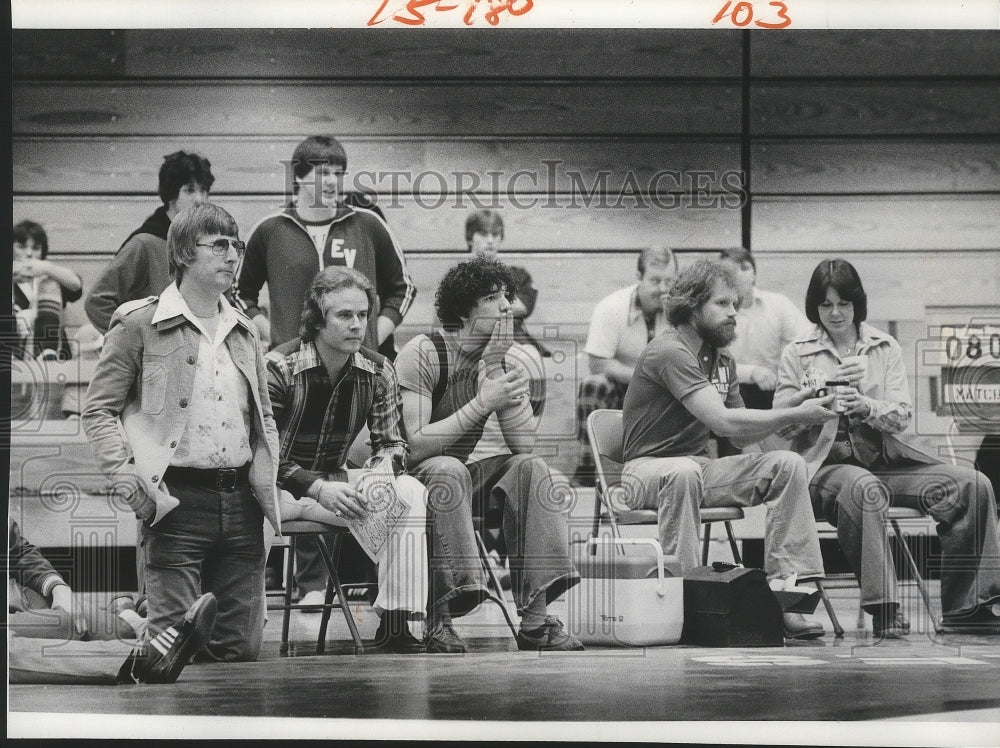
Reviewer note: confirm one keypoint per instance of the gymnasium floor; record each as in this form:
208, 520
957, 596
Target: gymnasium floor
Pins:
925, 690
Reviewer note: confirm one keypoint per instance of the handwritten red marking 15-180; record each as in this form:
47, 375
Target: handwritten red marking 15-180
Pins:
408, 13
742, 14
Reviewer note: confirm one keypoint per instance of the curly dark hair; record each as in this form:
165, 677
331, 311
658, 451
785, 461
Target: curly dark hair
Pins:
465, 284
693, 288
179, 169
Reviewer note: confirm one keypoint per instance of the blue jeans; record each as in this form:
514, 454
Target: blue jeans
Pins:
212, 542
520, 495
959, 499
677, 487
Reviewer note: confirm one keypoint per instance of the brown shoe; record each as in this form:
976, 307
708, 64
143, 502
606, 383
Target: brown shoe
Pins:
443, 640
983, 619
798, 627
393, 636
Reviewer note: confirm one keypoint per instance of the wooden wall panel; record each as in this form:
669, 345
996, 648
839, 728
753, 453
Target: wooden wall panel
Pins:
874, 166
497, 53
100, 224
63, 53
255, 164
882, 147
298, 108
866, 108
368, 53
898, 284
884, 53
839, 224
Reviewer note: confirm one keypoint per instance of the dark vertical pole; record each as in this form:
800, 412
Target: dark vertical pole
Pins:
746, 156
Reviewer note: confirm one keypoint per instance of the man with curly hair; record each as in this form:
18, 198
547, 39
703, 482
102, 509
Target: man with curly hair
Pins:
684, 389
452, 382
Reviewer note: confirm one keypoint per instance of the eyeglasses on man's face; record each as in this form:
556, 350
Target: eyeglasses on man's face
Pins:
220, 247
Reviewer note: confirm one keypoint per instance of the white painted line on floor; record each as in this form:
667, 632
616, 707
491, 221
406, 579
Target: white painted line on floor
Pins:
920, 661
746, 660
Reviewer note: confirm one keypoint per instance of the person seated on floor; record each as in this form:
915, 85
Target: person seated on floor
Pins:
178, 417
51, 641
765, 322
40, 292
685, 388
324, 388
452, 381
869, 458
33, 660
622, 324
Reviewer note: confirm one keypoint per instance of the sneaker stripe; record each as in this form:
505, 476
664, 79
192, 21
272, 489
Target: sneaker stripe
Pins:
165, 640
160, 647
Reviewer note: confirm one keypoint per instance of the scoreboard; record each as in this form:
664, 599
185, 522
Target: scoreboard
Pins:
960, 360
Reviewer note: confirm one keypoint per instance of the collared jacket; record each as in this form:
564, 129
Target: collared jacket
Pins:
281, 254
137, 403
813, 357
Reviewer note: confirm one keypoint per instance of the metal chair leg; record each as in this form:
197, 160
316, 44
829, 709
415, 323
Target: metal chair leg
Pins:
496, 591
324, 620
341, 597
915, 570
704, 547
732, 543
838, 630
596, 529
289, 583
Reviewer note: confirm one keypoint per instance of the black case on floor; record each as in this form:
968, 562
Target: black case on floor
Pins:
730, 608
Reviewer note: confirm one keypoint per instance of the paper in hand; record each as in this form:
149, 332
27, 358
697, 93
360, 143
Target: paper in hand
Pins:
386, 508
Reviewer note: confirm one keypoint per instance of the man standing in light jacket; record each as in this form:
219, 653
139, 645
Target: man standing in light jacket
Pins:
178, 417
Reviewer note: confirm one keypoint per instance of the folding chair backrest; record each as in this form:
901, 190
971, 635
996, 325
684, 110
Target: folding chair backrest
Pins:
604, 427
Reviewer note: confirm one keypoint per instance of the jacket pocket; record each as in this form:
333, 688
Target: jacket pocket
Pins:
154, 388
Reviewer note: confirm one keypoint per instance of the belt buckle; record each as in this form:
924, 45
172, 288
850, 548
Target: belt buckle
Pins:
225, 479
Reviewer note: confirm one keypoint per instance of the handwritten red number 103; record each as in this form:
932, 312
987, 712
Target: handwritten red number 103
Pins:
742, 14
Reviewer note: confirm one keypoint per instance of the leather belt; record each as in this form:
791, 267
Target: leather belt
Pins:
218, 479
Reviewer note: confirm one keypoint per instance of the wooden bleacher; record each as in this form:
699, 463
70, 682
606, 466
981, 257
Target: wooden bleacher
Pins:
880, 147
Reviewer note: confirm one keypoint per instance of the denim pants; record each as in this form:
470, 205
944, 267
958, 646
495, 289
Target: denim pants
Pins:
517, 493
32, 660
212, 542
677, 487
960, 499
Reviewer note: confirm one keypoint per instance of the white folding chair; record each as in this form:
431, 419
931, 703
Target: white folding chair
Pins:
604, 429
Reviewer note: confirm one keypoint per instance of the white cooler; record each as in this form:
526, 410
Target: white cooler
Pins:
629, 595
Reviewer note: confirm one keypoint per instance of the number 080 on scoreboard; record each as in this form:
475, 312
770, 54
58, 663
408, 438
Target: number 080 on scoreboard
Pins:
967, 384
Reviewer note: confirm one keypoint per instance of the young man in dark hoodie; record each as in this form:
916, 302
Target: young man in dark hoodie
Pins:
321, 227
141, 266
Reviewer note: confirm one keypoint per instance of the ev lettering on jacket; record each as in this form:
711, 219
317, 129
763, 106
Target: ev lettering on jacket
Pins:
339, 252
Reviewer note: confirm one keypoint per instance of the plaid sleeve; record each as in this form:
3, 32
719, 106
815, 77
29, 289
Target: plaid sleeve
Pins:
385, 419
